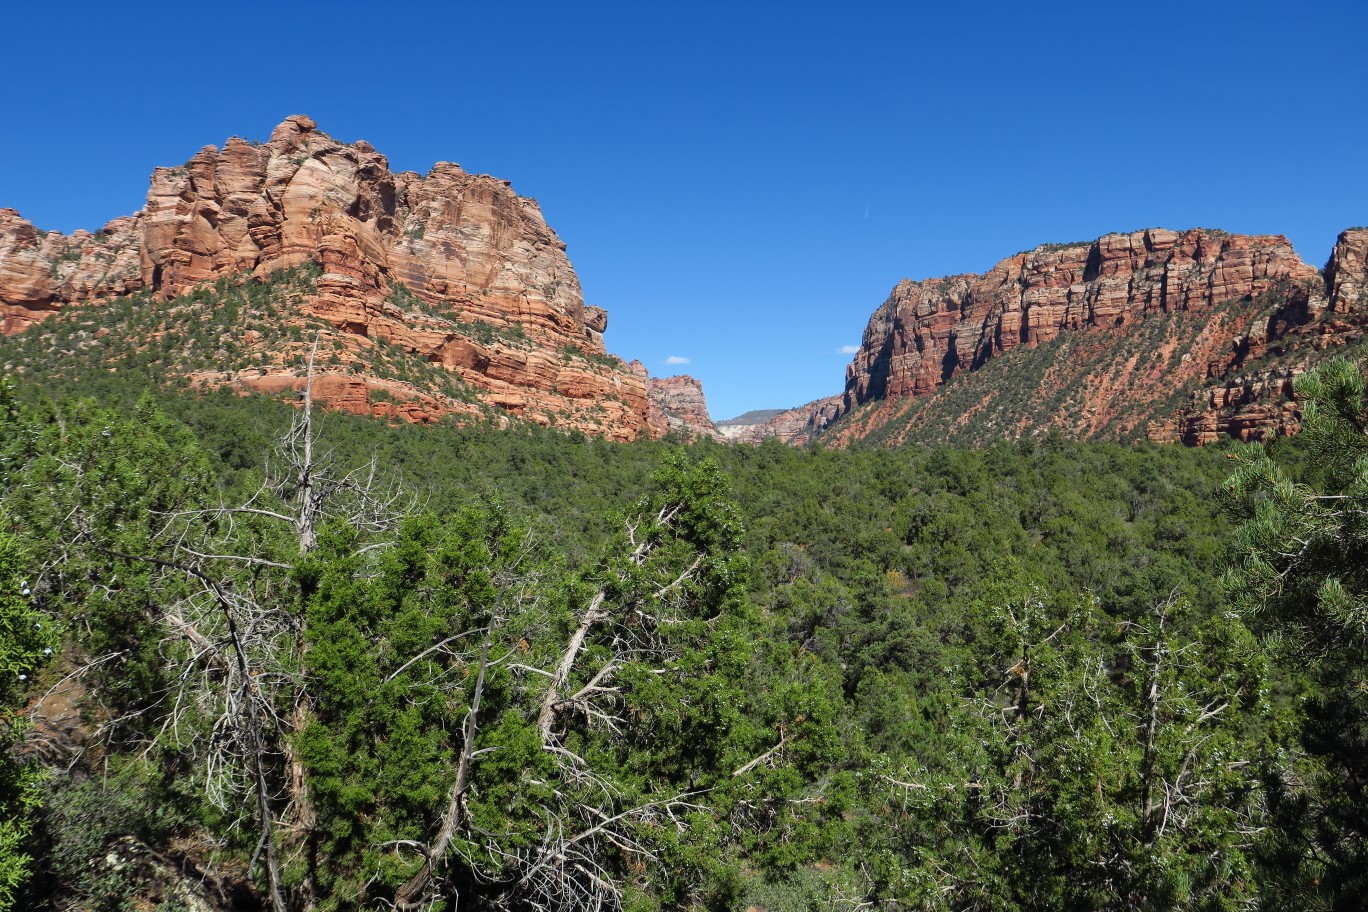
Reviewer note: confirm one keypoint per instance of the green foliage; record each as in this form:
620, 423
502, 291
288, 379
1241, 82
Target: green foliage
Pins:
1298, 573
97, 488
152, 342
487, 333
391, 660
83, 816
457, 664
27, 638
573, 353
1298, 546
788, 674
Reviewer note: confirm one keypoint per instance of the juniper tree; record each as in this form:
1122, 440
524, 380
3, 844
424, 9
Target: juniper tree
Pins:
1299, 577
27, 639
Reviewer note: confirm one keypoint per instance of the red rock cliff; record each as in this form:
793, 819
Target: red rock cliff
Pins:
1154, 312
929, 331
681, 406
411, 260
1251, 394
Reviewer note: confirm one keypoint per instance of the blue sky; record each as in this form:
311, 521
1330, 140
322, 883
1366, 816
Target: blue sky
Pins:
740, 185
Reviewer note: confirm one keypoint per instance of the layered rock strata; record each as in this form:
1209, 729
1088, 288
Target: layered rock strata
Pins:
456, 269
1251, 394
1155, 311
928, 332
678, 402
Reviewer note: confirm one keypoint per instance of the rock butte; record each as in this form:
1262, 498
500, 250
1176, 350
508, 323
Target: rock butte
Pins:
466, 248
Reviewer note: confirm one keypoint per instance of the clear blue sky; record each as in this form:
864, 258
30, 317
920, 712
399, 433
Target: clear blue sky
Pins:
739, 184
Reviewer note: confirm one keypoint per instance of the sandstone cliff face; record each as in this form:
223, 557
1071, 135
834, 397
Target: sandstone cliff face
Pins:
929, 331
455, 269
1346, 275
1125, 323
1249, 407
678, 401
1251, 396
41, 271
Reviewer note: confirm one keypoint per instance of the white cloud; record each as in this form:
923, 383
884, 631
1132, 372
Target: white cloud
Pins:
847, 349
676, 359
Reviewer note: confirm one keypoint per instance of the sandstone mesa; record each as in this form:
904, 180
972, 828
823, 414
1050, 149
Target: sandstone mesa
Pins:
1241, 316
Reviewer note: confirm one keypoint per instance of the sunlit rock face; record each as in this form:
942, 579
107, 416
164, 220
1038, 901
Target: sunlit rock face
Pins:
929, 331
1241, 316
454, 268
797, 426
677, 404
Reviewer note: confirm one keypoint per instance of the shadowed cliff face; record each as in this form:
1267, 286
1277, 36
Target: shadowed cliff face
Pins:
1143, 334
452, 268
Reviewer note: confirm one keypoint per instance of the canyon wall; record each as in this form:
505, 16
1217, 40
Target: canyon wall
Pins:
927, 332
453, 268
677, 404
1122, 323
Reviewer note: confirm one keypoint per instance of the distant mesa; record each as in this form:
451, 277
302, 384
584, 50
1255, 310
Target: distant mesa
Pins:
753, 417
797, 426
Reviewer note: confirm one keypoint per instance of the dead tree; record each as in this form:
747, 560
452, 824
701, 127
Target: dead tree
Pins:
235, 640
585, 823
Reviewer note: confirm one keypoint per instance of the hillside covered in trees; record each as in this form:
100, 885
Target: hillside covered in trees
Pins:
260, 657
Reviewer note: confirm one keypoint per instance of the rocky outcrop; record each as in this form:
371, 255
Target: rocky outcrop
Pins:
929, 331
1346, 274
42, 271
1252, 396
1127, 322
455, 269
796, 426
1246, 408
679, 402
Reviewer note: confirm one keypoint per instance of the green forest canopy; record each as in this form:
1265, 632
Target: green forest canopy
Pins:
567, 673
